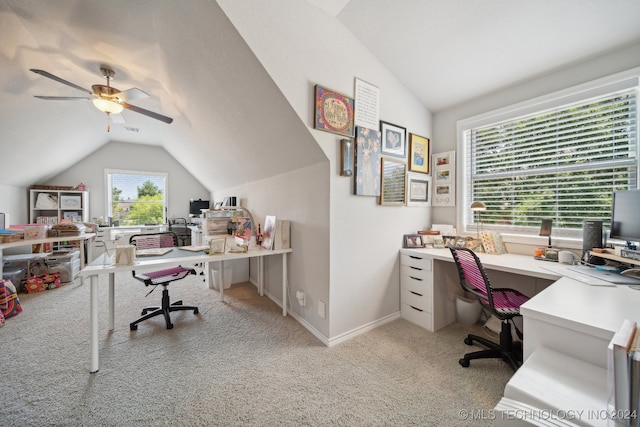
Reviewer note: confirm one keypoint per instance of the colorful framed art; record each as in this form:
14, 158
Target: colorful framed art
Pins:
418, 153
334, 112
367, 162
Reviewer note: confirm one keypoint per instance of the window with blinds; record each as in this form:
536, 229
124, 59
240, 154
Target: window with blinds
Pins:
561, 164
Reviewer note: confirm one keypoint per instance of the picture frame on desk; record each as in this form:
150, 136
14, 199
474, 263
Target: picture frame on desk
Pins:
413, 241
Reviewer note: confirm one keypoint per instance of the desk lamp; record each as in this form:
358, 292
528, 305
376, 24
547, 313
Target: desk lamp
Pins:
478, 207
545, 229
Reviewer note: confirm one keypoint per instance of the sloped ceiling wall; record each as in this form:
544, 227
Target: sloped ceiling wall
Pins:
231, 123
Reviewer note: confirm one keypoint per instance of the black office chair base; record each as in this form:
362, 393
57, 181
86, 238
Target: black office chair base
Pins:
165, 309
507, 350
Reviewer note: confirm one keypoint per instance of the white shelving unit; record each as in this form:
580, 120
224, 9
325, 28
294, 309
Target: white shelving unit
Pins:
43, 209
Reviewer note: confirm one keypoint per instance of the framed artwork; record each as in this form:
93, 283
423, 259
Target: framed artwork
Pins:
367, 162
418, 153
217, 246
413, 241
346, 157
268, 231
394, 140
444, 173
367, 102
70, 202
418, 189
334, 112
393, 182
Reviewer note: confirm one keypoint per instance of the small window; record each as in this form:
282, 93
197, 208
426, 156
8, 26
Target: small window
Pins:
136, 198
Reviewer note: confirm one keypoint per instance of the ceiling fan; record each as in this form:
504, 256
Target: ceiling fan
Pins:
106, 98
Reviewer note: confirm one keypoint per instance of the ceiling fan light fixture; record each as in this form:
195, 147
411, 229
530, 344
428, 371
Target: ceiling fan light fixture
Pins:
107, 106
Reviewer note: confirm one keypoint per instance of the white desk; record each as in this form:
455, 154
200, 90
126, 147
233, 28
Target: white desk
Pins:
577, 319
570, 317
85, 237
177, 257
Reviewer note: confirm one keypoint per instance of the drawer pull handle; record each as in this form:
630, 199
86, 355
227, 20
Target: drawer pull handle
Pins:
415, 268
414, 257
415, 308
416, 278
415, 293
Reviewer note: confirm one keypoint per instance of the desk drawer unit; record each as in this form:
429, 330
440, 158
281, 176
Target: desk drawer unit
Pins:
416, 293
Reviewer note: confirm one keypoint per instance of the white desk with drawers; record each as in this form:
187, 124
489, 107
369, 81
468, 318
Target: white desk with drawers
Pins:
563, 314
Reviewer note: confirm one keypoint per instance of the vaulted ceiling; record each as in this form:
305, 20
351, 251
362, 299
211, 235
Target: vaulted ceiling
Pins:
198, 70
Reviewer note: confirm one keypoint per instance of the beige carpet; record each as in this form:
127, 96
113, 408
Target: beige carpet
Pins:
237, 363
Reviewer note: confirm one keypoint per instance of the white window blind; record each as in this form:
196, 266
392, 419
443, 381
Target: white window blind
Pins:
560, 164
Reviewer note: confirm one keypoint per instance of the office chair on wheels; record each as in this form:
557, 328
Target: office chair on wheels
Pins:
160, 277
503, 303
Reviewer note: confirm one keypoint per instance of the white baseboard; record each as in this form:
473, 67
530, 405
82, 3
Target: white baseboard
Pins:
330, 342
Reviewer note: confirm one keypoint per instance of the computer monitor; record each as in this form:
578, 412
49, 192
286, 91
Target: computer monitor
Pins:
195, 206
625, 215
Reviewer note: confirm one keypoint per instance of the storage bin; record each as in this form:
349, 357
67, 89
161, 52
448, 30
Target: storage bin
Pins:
217, 280
467, 311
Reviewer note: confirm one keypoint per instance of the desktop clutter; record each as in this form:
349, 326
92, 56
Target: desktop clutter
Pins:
442, 236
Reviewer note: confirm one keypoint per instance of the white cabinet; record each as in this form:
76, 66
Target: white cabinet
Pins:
52, 206
416, 290
426, 294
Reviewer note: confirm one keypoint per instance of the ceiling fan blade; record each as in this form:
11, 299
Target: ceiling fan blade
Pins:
147, 113
132, 94
58, 79
63, 98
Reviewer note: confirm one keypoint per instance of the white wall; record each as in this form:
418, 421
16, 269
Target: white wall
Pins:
300, 46
444, 122
14, 202
118, 155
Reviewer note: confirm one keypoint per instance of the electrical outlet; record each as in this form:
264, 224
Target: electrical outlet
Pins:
321, 309
300, 297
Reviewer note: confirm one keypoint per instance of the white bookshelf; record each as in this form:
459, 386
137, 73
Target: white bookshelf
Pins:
67, 203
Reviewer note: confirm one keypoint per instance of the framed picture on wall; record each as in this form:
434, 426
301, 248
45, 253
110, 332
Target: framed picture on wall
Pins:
418, 189
394, 140
393, 182
367, 162
418, 153
334, 112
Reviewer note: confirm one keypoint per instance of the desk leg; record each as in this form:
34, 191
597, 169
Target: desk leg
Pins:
285, 284
261, 276
93, 322
112, 301
221, 281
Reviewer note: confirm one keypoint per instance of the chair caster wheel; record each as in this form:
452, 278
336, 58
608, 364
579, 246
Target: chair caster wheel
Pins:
133, 327
170, 326
468, 341
196, 311
464, 363
143, 312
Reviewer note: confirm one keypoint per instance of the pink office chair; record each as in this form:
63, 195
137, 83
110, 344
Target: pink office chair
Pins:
504, 303
160, 277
